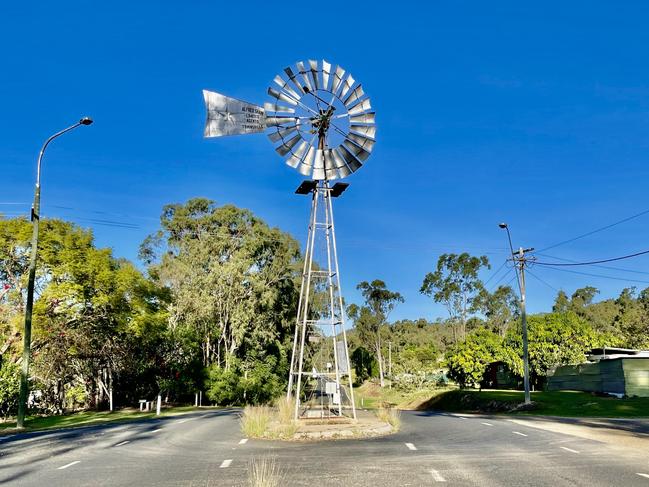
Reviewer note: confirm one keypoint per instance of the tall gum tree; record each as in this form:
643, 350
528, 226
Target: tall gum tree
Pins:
370, 318
456, 285
232, 277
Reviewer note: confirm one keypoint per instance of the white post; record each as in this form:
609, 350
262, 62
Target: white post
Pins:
157, 411
110, 398
196, 400
200, 399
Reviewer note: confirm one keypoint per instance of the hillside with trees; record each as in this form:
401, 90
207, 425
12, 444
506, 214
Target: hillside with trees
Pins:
211, 307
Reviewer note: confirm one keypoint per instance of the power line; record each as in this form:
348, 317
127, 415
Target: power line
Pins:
494, 285
597, 275
621, 269
606, 227
496, 272
542, 281
563, 264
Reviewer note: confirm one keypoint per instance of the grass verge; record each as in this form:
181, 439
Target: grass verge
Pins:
86, 418
372, 396
553, 403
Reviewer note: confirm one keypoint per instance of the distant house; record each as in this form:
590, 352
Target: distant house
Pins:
617, 371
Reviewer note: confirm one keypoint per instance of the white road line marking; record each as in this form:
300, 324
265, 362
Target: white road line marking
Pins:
645, 475
79, 461
123, 443
155, 431
519, 433
437, 476
411, 446
463, 417
568, 449
487, 424
243, 441
226, 463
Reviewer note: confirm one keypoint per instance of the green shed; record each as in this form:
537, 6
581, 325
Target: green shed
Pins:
622, 374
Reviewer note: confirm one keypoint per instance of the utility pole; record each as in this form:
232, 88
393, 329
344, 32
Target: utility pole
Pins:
390, 362
520, 261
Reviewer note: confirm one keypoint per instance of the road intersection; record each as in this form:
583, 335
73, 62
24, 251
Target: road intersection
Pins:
206, 448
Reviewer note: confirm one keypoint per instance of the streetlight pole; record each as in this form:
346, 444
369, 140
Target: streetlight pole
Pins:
520, 261
29, 306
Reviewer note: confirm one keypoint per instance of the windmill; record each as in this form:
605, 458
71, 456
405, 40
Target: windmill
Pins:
321, 122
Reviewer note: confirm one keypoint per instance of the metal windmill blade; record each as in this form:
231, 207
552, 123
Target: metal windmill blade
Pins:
332, 130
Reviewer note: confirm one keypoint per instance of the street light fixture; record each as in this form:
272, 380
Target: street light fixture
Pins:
519, 260
29, 306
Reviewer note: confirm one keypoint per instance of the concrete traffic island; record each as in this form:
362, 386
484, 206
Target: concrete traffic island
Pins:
367, 425
276, 423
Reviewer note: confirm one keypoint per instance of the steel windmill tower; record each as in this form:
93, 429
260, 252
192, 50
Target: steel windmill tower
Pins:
321, 121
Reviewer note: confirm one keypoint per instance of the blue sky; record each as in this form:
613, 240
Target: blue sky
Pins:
535, 115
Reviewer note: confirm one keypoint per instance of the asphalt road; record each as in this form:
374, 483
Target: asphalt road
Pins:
207, 449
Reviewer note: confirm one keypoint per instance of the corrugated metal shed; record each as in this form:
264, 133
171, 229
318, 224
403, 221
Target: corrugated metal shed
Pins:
620, 374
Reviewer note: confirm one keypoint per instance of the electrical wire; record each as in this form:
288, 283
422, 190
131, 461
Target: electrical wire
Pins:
621, 269
606, 227
496, 272
597, 275
601, 261
509, 269
542, 281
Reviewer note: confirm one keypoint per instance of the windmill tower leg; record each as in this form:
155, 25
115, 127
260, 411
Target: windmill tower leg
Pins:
321, 200
337, 301
303, 307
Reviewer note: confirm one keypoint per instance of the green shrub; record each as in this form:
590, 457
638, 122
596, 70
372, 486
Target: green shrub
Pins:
9, 388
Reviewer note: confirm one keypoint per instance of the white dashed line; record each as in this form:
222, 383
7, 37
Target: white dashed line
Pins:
155, 431
645, 475
226, 463
568, 449
437, 476
123, 443
519, 433
487, 424
411, 446
184, 420
243, 441
463, 417
79, 461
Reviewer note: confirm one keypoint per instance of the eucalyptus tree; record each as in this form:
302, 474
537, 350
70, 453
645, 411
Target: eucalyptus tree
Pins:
456, 285
499, 307
232, 279
370, 318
